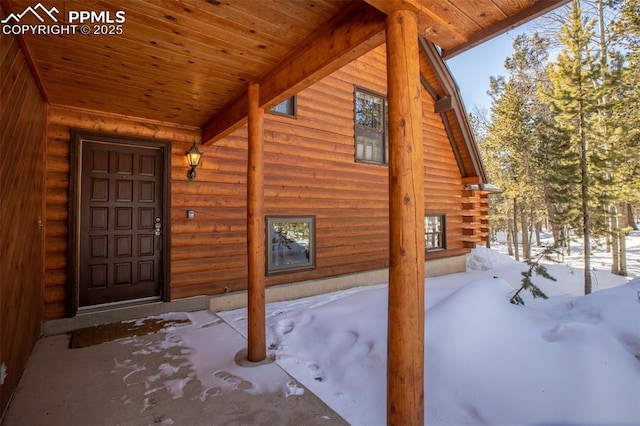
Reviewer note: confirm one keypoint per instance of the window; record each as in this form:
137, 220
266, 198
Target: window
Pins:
371, 127
290, 243
434, 232
286, 107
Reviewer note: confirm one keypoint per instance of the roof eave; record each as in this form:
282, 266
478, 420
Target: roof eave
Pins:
451, 90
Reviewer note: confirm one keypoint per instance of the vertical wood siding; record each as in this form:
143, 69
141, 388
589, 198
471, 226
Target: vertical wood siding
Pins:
23, 123
309, 170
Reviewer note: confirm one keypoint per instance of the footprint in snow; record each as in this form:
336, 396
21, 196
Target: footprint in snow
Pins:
558, 332
316, 372
285, 326
281, 328
293, 389
233, 380
342, 342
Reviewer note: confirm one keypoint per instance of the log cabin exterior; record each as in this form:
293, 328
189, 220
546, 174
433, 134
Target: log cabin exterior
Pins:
74, 129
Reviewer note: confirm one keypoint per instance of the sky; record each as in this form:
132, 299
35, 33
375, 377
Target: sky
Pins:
473, 68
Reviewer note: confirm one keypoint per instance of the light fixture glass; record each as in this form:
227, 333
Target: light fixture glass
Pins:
193, 159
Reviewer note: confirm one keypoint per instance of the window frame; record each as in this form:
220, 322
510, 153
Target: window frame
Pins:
385, 126
442, 232
294, 108
272, 269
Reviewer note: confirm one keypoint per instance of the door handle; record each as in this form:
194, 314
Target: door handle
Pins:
157, 226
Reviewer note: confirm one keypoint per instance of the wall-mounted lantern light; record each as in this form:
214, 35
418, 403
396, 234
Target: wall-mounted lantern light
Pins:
193, 158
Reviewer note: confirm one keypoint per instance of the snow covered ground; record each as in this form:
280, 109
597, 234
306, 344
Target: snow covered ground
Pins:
570, 360
600, 259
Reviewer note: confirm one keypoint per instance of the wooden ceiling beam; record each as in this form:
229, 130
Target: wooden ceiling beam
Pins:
354, 32
443, 104
450, 23
430, 21
537, 9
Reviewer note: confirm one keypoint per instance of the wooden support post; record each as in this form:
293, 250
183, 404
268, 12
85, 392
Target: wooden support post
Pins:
257, 343
405, 353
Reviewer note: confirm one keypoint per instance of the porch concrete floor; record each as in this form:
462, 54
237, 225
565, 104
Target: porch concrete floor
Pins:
147, 381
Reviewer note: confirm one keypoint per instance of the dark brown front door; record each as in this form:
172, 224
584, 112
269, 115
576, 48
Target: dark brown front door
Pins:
121, 223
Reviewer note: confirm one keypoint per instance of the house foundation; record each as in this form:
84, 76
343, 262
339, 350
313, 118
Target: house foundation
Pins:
226, 302
309, 288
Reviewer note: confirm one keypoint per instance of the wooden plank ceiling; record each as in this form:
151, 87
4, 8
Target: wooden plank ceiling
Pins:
188, 61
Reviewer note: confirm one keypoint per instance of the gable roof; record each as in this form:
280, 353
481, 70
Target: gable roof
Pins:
438, 81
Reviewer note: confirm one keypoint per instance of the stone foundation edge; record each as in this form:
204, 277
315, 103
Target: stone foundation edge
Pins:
297, 290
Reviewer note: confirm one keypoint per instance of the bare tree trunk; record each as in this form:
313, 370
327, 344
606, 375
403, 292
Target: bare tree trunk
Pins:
526, 246
630, 220
609, 236
515, 230
614, 235
584, 189
538, 230
509, 239
531, 223
550, 225
560, 244
622, 270
557, 236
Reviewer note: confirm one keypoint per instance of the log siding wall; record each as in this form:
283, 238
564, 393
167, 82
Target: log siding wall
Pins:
61, 121
23, 123
310, 169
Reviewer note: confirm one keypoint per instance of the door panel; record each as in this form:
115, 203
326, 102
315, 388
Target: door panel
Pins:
120, 223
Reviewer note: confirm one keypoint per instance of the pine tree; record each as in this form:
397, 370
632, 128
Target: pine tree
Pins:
527, 282
562, 183
578, 158
512, 144
626, 36
507, 135
576, 96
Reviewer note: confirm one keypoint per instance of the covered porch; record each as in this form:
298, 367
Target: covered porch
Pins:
163, 378
198, 71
